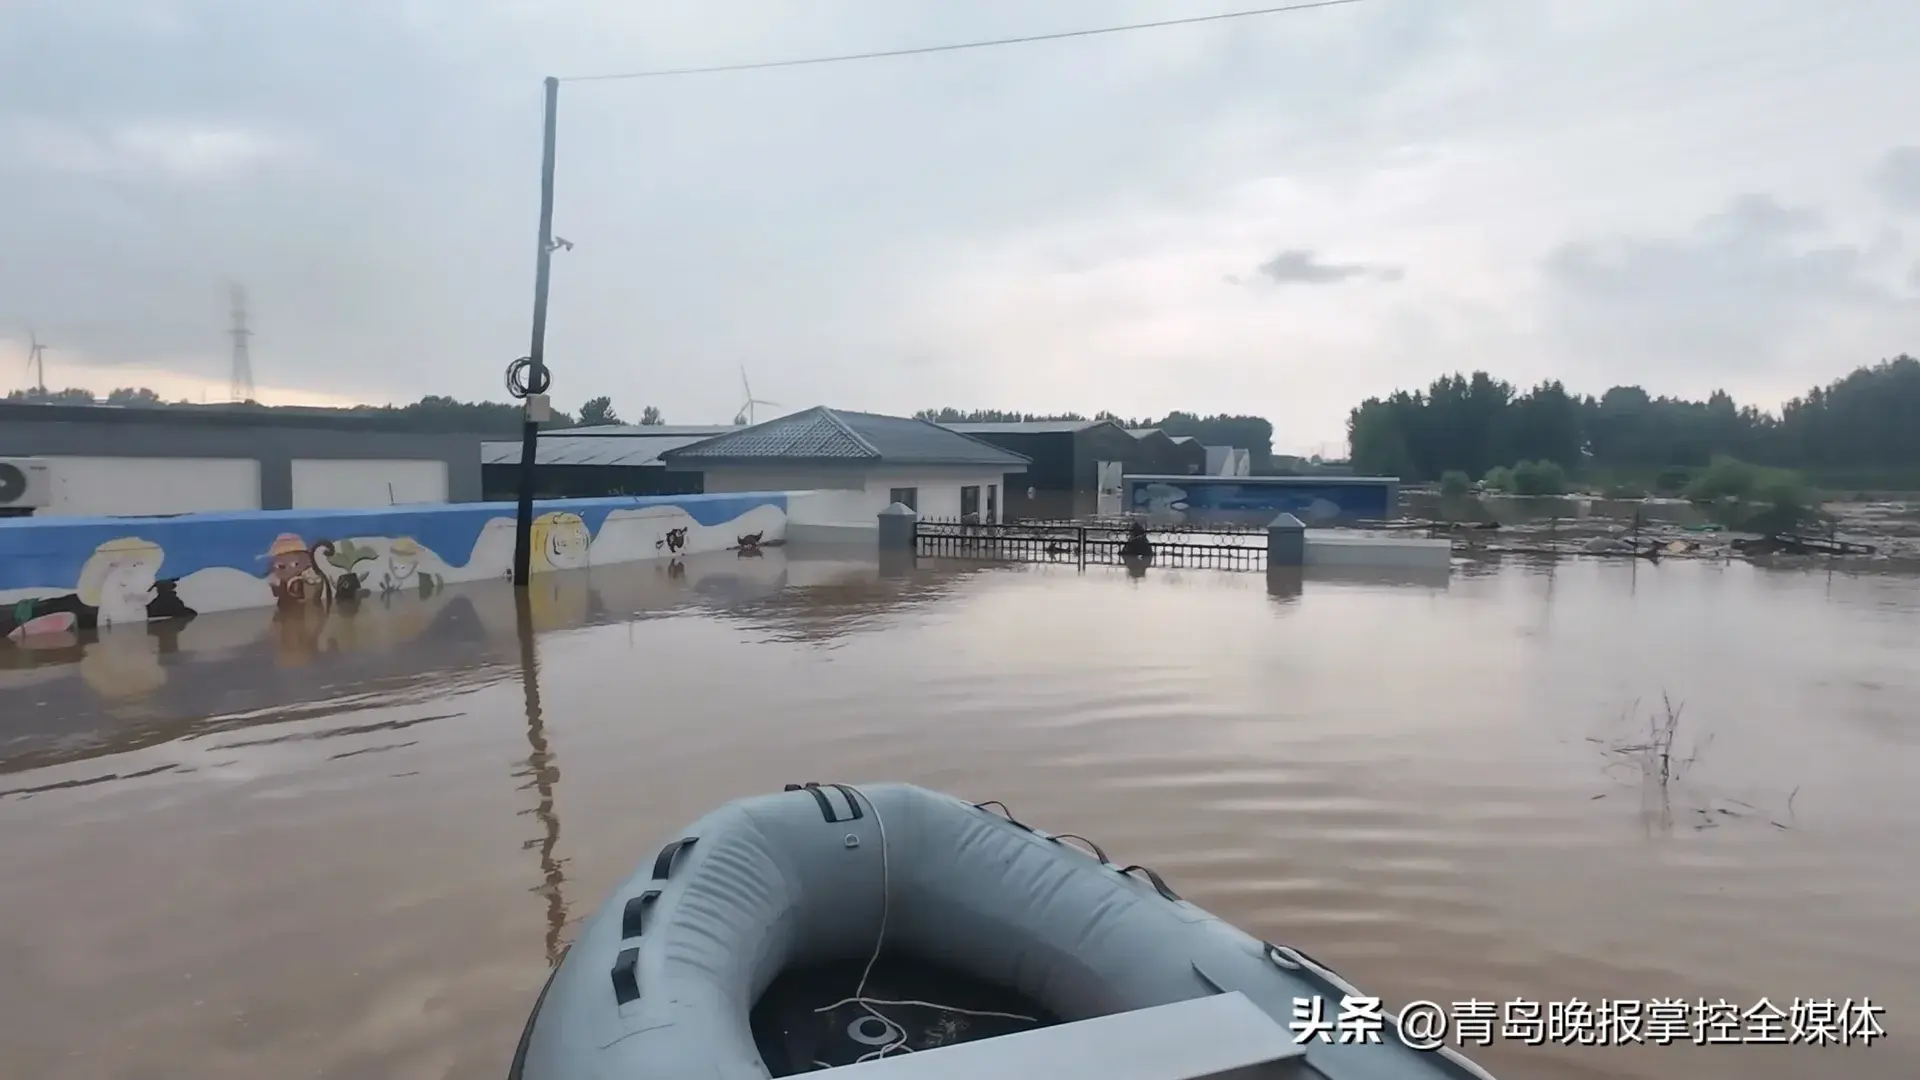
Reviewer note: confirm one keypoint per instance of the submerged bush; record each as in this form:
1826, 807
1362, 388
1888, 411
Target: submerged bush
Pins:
1755, 498
1539, 478
1673, 480
1455, 484
1726, 478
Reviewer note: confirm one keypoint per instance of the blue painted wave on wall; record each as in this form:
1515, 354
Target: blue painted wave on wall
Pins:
52, 552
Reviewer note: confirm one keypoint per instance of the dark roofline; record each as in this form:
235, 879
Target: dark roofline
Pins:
697, 464
1022, 427
240, 416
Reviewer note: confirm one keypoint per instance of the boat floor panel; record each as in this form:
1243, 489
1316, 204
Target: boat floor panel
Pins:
794, 1038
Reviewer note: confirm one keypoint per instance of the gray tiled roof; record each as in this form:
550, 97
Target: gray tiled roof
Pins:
575, 449
1143, 432
828, 435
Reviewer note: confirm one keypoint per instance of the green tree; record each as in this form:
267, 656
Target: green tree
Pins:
134, 396
1861, 424
597, 411
650, 417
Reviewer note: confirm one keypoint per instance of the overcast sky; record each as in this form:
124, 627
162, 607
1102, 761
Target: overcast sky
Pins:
1279, 215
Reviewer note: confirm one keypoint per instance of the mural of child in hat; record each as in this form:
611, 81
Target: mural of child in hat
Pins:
118, 584
291, 573
403, 570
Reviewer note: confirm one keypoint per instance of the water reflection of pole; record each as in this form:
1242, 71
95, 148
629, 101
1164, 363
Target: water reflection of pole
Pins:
544, 775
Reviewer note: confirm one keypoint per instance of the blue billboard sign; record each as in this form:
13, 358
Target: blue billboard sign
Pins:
1258, 500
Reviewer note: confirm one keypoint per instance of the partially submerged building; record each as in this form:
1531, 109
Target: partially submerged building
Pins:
877, 460
1227, 461
1168, 455
1077, 465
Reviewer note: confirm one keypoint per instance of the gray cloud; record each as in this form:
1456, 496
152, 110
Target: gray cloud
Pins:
1301, 267
1898, 178
1734, 295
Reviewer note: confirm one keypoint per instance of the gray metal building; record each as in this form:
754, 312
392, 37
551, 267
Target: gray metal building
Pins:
179, 459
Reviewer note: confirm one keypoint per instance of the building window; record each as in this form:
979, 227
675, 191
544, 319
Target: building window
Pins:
970, 503
993, 503
907, 497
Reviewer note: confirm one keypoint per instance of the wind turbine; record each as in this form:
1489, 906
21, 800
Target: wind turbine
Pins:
745, 415
37, 362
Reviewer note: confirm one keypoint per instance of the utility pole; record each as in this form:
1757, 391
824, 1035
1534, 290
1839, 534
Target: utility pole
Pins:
240, 385
533, 393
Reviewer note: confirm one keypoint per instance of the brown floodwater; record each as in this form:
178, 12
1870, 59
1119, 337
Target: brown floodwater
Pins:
349, 846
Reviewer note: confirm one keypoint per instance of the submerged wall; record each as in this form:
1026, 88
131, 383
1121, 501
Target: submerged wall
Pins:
1257, 500
60, 575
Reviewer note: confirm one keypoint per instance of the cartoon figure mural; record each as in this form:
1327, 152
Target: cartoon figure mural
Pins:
403, 571
58, 579
117, 585
119, 579
560, 541
343, 556
291, 573
31, 619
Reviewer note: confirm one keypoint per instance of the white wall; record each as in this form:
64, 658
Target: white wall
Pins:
320, 483
938, 490
803, 478
139, 485
861, 493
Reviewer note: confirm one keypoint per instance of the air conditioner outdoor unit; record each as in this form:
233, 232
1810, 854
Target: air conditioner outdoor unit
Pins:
25, 484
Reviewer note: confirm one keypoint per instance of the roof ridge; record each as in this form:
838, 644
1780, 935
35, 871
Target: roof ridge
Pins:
841, 423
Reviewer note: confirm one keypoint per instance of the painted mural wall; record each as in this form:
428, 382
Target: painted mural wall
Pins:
1249, 501
64, 575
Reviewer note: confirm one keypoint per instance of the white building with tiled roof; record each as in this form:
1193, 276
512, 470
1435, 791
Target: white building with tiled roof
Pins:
877, 460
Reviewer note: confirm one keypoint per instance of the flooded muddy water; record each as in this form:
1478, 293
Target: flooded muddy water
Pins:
349, 845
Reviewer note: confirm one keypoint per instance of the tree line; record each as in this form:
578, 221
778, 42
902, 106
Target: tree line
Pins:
431, 413
441, 413
1252, 433
1857, 431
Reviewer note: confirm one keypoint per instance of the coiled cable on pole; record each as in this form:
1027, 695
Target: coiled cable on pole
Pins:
521, 384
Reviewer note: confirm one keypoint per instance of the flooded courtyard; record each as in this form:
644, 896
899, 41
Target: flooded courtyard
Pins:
350, 846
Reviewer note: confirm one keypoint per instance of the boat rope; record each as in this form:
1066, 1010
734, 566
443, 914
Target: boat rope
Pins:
898, 1031
1159, 883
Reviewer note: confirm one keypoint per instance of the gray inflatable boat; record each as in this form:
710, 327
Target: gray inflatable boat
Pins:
888, 932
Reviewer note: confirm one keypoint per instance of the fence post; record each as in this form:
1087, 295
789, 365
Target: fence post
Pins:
898, 528
1286, 542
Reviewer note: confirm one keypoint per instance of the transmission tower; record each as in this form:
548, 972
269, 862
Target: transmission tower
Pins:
240, 388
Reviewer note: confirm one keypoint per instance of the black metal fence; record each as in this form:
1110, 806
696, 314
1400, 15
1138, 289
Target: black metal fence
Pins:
1099, 542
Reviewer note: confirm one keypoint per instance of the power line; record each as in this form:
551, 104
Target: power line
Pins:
957, 46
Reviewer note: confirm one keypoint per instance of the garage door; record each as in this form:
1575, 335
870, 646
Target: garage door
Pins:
360, 482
